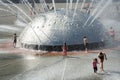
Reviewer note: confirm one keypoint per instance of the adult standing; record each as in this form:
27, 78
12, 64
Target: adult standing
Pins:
101, 57
14, 40
85, 42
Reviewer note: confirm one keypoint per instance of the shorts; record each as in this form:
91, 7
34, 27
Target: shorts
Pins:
86, 46
112, 35
95, 69
15, 41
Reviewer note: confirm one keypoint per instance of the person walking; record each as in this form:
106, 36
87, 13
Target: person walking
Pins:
101, 57
94, 63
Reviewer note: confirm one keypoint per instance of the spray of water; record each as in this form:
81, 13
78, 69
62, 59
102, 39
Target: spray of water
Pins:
12, 11
27, 5
83, 3
35, 33
44, 5
28, 17
9, 28
91, 4
66, 7
20, 10
22, 17
94, 11
35, 4
70, 6
54, 5
7, 11
76, 5
6, 5
104, 7
33, 10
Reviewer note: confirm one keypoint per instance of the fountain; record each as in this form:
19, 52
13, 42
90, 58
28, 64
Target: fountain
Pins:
48, 31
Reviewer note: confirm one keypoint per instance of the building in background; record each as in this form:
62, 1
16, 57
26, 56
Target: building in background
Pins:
50, 1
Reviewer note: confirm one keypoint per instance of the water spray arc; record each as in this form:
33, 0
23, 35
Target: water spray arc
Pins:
103, 8
44, 5
50, 29
70, 6
75, 9
28, 6
83, 3
93, 13
53, 1
20, 10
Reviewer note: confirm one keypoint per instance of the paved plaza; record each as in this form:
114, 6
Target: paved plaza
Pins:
17, 64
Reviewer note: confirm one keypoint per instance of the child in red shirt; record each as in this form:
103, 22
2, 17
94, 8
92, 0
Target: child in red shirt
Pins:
94, 63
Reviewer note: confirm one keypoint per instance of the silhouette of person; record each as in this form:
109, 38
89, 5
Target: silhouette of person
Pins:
112, 33
101, 57
85, 42
64, 49
14, 40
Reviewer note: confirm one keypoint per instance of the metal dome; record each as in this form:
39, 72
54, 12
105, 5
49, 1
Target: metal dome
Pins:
55, 28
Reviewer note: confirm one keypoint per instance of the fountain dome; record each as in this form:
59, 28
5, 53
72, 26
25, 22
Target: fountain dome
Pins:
50, 30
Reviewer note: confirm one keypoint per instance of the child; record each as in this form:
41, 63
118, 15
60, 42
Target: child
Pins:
64, 49
95, 65
112, 33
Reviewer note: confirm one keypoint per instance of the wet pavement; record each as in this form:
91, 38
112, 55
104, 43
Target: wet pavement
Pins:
14, 64
20, 64
72, 67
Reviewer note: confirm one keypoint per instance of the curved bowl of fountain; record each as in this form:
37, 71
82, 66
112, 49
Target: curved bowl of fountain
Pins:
50, 30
